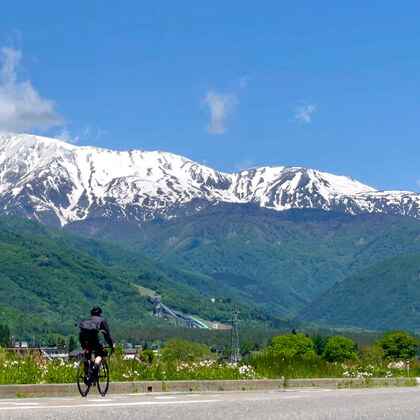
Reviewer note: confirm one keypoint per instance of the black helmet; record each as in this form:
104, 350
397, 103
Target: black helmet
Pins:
96, 311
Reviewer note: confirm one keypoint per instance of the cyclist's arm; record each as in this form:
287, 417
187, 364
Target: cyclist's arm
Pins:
106, 334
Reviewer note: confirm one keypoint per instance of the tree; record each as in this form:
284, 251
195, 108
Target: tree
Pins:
119, 351
339, 349
4, 336
371, 354
398, 345
319, 343
245, 348
292, 345
178, 349
147, 356
72, 343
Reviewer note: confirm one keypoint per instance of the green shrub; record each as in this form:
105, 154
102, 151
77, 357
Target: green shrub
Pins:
179, 350
339, 349
119, 351
319, 343
371, 354
398, 345
292, 345
147, 356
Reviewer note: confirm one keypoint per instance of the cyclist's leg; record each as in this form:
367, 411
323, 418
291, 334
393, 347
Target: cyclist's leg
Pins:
99, 353
89, 342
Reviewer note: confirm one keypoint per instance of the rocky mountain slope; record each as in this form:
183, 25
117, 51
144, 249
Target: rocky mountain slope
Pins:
58, 183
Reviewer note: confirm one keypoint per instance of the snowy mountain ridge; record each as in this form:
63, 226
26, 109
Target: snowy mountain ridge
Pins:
58, 183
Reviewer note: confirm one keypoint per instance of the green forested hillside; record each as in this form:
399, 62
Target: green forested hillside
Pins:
268, 262
49, 279
57, 283
278, 261
383, 296
23, 324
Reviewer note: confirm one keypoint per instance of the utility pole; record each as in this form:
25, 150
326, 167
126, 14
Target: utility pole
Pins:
235, 355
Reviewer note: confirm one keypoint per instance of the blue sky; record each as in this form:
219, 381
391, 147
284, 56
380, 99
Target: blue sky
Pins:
330, 85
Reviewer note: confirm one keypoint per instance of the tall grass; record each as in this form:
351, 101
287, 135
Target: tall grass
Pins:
121, 370
277, 366
34, 369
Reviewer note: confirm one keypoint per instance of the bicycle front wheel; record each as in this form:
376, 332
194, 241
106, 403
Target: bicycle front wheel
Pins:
103, 378
83, 381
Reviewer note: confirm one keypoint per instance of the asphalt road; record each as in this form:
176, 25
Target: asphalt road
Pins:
372, 403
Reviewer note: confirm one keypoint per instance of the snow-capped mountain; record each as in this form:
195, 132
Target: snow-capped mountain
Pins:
57, 183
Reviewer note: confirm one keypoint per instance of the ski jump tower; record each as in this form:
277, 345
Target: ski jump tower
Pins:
157, 310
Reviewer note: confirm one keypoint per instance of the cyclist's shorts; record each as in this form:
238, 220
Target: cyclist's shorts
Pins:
90, 341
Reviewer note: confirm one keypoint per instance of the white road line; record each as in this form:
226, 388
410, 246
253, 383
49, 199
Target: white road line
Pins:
25, 403
47, 407
18, 403
101, 400
37, 407
165, 398
312, 390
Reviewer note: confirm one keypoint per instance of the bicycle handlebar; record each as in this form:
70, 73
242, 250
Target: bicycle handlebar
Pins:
109, 347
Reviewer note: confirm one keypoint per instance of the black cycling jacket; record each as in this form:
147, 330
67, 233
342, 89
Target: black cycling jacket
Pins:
96, 324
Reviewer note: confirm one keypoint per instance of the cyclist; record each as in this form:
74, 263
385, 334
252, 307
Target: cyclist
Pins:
89, 336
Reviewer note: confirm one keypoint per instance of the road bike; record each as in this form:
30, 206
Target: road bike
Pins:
85, 374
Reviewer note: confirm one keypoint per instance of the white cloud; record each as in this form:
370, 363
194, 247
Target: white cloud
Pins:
304, 113
21, 107
87, 133
65, 136
220, 105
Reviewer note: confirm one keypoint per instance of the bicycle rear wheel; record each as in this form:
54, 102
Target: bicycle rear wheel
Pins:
103, 378
83, 380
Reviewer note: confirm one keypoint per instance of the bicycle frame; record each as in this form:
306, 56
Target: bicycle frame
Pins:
85, 376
